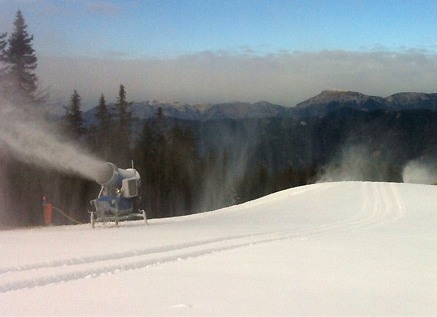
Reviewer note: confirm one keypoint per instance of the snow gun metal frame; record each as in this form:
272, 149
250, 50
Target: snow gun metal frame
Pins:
118, 199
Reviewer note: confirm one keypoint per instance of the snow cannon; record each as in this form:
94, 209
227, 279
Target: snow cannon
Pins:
118, 199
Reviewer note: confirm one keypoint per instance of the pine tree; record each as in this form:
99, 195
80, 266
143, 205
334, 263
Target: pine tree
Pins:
104, 127
2, 46
124, 114
152, 164
21, 63
73, 116
2, 63
123, 127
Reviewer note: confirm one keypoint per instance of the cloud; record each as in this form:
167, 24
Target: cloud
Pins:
285, 78
103, 7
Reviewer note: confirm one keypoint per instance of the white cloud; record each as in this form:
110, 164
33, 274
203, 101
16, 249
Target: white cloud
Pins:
283, 78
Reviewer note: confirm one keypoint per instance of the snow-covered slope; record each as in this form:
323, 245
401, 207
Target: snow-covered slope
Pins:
334, 248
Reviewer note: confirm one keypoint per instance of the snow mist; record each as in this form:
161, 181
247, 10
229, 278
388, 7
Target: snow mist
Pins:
29, 137
420, 172
230, 166
353, 164
359, 162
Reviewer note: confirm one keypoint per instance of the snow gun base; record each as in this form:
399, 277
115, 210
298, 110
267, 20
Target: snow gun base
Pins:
116, 219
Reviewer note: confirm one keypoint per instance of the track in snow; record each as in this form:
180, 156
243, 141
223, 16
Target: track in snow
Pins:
381, 204
384, 203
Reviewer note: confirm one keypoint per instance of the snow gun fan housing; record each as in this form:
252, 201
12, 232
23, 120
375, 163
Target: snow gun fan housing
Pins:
118, 198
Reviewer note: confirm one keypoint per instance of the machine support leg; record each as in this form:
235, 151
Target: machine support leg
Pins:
92, 219
144, 216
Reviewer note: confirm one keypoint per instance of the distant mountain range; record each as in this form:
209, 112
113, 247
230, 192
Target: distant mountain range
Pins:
332, 100
318, 106
201, 112
376, 136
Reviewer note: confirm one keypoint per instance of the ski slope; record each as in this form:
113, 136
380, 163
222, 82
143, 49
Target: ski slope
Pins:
346, 248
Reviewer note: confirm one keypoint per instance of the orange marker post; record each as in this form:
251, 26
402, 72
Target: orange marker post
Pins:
47, 207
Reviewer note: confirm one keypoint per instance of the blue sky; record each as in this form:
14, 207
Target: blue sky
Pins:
207, 31
142, 29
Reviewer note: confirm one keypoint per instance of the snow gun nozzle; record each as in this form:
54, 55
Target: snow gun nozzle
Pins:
106, 173
109, 175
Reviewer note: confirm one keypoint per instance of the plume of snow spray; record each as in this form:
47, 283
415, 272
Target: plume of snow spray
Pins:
31, 139
351, 165
230, 165
420, 172
357, 162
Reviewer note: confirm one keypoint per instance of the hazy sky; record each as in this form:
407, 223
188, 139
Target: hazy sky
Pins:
227, 50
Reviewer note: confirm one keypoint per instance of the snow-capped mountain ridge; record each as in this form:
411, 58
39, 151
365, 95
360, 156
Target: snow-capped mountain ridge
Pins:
413, 100
318, 106
199, 112
342, 96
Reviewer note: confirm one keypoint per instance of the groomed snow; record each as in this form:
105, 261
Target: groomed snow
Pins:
347, 248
